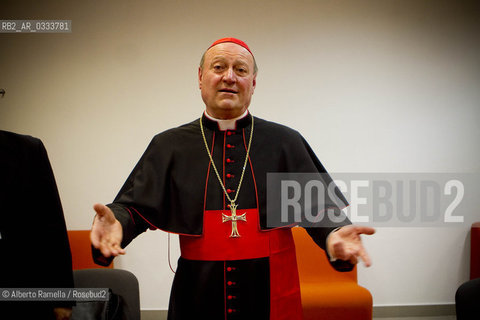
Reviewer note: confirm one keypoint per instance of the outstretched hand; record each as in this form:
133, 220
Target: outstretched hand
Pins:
346, 244
106, 232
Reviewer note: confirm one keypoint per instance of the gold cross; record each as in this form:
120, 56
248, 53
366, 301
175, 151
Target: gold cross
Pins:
234, 218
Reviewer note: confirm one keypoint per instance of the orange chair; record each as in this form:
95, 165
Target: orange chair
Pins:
326, 293
81, 250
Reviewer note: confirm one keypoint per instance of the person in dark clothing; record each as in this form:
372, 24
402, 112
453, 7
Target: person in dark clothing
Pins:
206, 181
34, 247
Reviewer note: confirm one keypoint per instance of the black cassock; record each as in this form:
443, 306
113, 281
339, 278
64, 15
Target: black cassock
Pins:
173, 187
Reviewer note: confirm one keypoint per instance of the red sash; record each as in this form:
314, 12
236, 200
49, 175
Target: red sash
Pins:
216, 245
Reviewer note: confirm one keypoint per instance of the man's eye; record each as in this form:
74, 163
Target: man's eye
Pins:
242, 70
217, 67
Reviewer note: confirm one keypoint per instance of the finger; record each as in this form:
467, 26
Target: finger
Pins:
110, 249
103, 211
99, 208
94, 239
96, 233
113, 243
364, 230
351, 254
105, 250
117, 250
365, 258
348, 231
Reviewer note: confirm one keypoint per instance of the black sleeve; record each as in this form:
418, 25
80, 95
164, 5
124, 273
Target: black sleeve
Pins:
56, 260
320, 232
133, 197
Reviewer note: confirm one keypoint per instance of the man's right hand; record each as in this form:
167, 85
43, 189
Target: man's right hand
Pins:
106, 232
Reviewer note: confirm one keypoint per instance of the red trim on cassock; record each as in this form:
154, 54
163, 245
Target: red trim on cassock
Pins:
285, 299
153, 227
223, 162
131, 215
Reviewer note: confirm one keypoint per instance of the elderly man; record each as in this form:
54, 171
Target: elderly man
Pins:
206, 181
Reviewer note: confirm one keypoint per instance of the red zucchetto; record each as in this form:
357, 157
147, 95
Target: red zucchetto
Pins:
234, 40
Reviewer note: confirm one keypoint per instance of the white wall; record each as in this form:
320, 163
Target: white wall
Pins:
374, 86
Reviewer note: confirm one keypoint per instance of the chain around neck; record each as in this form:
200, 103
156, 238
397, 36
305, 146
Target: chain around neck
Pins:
215, 167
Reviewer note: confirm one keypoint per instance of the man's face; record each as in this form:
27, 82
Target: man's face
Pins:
227, 80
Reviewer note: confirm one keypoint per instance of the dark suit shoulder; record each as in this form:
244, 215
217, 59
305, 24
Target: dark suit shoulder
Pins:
18, 150
11, 139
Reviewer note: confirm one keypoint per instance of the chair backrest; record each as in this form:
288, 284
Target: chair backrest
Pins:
122, 282
80, 246
313, 265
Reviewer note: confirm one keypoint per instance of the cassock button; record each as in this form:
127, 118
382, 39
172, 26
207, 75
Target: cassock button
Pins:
229, 160
230, 310
230, 190
230, 175
229, 269
230, 146
229, 133
229, 283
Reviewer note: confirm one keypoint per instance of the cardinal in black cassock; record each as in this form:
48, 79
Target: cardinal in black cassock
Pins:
207, 182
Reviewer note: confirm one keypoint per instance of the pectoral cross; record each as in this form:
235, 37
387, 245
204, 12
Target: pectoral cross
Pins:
234, 218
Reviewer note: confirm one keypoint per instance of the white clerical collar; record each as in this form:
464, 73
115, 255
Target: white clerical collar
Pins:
226, 124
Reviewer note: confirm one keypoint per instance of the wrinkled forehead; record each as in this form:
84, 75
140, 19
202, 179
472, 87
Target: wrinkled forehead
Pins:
229, 50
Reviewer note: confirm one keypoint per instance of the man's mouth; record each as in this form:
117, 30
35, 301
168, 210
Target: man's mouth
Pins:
228, 90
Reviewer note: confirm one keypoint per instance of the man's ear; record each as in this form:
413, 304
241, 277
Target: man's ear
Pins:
254, 84
199, 78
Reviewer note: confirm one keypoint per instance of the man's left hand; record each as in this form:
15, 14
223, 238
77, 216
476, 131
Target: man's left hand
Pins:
346, 244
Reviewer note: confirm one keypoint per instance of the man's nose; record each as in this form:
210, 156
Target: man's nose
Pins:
229, 76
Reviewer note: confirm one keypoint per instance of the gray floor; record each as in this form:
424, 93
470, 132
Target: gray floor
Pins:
419, 318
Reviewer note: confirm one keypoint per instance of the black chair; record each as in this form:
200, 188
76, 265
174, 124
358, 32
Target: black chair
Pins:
467, 300
122, 283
